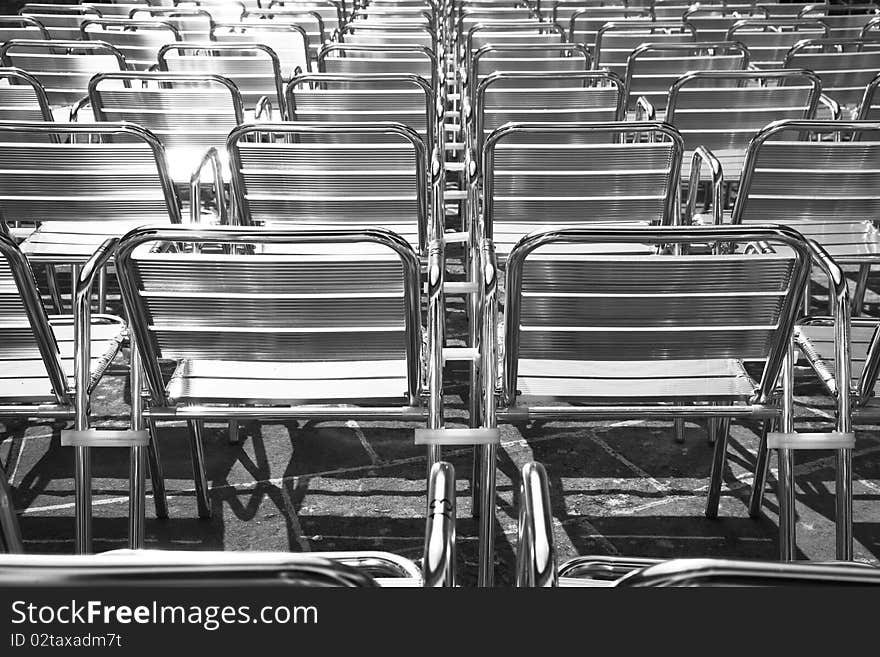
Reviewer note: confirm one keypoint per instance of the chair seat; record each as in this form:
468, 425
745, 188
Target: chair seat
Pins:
723, 379
23, 376
72, 241
266, 383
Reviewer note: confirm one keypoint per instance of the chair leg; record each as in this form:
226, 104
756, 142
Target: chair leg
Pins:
234, 438
762, 463
844, 500
787, 514
157, 478
712, 429
858, 298
102, 290
197, 449
679, 430
10, 531
54, 289
719, 464
486, 566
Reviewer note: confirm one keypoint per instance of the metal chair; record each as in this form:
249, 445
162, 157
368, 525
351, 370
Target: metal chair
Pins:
64, 68
190, 113
254, 68
332, 13
536, 559
584, 25
290, 324
651, 69
843, 21
316, 182
845, 66
598, 335
869, 108
552, 97
288, 41
722, 111
769, 40
193, 24
713, 21
21, 27
823, 187
62, 22
22, 98
616, 40
357, 59
334, 98
310, 21
39, 364
138, 41
535, 175
82, 183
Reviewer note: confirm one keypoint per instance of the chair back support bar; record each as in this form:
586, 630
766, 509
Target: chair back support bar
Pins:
845, 66
769, 40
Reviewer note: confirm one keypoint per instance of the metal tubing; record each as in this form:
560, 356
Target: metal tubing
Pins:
719, 463
156, 476
10, 532
137, 480
439, 557
197, 451
762, 461
536, 550
81, 372
785, 480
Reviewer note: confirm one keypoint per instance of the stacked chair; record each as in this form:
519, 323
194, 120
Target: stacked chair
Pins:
639, 195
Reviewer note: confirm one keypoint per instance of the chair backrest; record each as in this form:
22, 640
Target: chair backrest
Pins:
177, 568
569, 299
394, 34
526, 58
60, 21
138, 41
320, 296
790, 9
332, 13
789, 179
313, 179
254, 68
553, 97
225, 11
869, 108
334, 98
114, 9
22, 98
27, 337
651, 69
21, 27
356, 59
85, 172
769, 40
713, 21
843, 21
724, 110
552, 174
191, 111
289, 42
310, 21
507, 33
615, 41
584, 25
845, 66
194, 25
64, 68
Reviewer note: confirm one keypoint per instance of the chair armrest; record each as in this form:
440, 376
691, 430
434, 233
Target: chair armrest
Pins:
438, 564
264, 106
704, 155
832, 105
645, 110
211, 157
77, 107
82, 329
